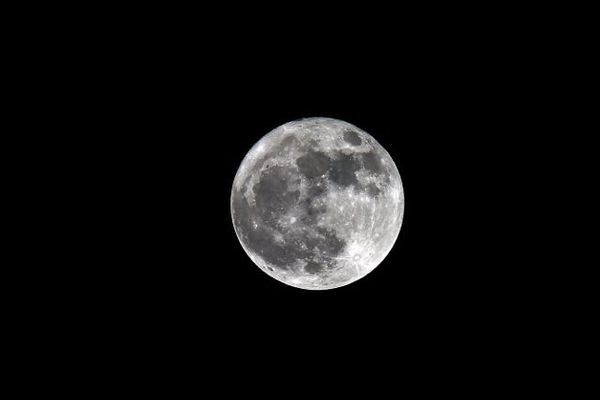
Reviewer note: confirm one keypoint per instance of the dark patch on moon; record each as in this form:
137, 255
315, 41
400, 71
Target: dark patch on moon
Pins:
313, 164
278, 254
373, 190
352, 138
272, 195
260, 240
316, 189
287, 142
311, 208
330, 244
311, 211
313, 268
371, 162
343, 169
257, 226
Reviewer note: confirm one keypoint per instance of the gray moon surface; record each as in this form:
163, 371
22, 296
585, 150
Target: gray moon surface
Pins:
317, 203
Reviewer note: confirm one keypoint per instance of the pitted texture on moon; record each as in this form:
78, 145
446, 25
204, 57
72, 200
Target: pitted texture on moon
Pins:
317, 203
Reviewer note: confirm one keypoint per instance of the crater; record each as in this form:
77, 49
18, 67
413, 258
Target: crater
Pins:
352, 137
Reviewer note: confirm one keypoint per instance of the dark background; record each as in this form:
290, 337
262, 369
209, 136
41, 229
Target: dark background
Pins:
172, 115
138, 122
175, 259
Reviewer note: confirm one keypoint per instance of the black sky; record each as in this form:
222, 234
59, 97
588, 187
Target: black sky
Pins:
171, 123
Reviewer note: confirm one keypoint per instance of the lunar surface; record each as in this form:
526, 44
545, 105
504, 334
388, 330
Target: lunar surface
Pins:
317, 203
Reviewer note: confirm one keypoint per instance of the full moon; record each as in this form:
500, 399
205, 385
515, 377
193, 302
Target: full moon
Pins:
317, 203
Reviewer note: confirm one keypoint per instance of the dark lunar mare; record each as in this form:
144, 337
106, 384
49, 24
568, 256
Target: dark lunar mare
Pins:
372, 163
260, 239
313, 164
272, 195
341, 168
258, 225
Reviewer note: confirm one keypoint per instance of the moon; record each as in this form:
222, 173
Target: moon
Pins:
317, 203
